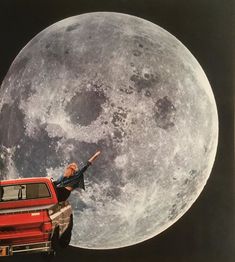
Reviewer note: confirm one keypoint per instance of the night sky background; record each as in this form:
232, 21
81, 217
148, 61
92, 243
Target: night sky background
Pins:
207, 28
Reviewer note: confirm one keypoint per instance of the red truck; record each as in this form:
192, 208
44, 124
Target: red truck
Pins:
31, 218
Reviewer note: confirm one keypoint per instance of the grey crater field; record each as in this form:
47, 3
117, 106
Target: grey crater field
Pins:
122, 85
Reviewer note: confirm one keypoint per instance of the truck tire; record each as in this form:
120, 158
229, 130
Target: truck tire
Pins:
54, 247
66, 236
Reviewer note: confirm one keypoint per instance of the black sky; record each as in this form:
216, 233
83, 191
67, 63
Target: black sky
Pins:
207, 28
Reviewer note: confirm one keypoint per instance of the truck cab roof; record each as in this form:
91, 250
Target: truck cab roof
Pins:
25, 180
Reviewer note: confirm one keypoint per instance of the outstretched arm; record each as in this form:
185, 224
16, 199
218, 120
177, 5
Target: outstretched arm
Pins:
89, 162
66, 181
93, 158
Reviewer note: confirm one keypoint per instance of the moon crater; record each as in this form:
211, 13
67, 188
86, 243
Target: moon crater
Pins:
85, 107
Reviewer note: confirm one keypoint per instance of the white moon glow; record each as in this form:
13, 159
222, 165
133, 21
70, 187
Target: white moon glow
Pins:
122, 85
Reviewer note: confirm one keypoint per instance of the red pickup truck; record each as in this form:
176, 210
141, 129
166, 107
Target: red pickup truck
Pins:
31, 218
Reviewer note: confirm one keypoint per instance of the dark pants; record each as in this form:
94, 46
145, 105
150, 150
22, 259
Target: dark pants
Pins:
62, 193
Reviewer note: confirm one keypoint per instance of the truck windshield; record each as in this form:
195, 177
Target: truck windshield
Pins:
24, 192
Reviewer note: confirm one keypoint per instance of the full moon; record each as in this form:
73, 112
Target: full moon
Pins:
125, 86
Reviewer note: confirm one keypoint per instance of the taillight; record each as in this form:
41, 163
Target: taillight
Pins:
46, 227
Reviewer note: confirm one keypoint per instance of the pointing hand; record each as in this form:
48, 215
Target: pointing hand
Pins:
92, 159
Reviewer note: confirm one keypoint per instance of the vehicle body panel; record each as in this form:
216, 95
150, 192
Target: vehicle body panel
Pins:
28, 225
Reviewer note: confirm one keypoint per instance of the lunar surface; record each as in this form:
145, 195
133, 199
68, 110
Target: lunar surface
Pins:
122, 85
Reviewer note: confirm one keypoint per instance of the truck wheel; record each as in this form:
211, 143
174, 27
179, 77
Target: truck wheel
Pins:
66, 236
49, 256
55, 243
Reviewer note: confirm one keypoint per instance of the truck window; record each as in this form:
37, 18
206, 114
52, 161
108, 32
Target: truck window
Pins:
24, 192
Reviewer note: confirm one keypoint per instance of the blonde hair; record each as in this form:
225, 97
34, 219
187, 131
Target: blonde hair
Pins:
73, 166
71, 169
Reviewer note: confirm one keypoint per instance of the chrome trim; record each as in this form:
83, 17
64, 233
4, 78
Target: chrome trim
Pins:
41, 249
26, 209
29, 248
63, 209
